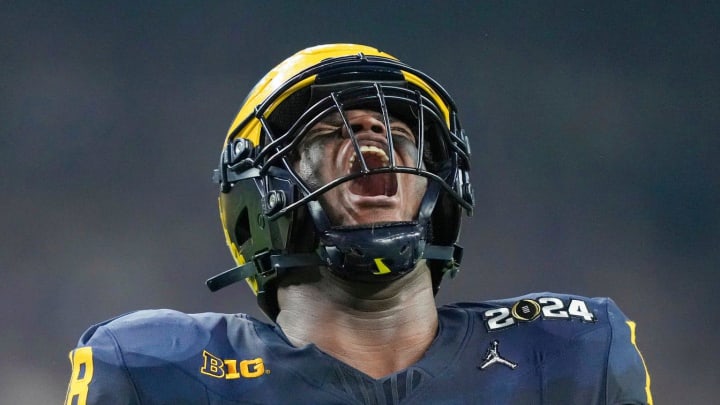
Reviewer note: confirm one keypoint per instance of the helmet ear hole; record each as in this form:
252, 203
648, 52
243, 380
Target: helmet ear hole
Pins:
242, 227
303, 237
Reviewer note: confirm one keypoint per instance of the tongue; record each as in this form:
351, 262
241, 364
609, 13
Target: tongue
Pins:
374, 184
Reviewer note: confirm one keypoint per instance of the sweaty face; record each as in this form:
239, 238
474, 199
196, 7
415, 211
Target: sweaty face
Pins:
327, 153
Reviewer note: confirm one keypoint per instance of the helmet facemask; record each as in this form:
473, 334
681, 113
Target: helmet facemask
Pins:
409, 149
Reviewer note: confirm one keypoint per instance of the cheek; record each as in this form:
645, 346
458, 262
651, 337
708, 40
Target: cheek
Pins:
414, 188
419, 186
407, 154
303, 170
310, 167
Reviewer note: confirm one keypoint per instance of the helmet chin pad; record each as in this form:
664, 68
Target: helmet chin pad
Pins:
378, 251
373, 253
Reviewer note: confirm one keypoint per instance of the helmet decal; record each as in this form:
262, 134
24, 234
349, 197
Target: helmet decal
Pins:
381, 267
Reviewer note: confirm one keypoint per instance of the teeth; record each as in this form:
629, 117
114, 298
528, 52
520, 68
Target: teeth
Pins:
366, 149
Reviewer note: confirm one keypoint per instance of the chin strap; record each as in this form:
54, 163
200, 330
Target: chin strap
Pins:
266, 266
451, 256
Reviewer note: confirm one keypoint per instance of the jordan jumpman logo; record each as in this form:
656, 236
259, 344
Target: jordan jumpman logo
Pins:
493, 357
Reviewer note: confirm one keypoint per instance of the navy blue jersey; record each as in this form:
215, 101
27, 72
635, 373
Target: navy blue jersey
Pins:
537, 349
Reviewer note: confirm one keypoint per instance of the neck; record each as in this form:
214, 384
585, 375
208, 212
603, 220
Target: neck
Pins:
378, 331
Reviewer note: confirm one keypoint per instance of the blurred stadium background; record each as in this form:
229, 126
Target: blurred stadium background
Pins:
594, 127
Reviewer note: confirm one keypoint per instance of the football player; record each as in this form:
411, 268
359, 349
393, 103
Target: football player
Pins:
343, 180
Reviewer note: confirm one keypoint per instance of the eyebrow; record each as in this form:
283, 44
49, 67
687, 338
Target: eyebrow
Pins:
332, 119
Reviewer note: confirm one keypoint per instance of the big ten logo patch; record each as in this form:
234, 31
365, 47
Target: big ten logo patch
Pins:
231, 369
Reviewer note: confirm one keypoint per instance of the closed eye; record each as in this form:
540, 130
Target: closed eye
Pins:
322, 131
402, 132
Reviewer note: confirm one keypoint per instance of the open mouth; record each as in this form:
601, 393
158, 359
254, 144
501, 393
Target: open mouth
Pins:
373, 184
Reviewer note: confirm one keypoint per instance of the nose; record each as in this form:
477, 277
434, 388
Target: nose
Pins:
367, 122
